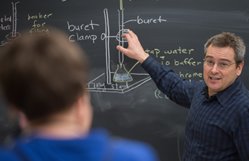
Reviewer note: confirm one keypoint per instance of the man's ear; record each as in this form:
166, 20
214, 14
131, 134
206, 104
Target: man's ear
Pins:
15, 113
83, 103
79, 105
239, 68
23, 121
84, 111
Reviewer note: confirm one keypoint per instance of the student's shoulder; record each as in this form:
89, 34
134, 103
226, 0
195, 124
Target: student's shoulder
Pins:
7, 155
122, 149
132, 150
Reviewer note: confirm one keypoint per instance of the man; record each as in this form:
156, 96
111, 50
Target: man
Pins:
217, 127
43, 77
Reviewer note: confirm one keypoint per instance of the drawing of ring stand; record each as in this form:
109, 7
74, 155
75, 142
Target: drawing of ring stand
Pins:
121, 80
13, 34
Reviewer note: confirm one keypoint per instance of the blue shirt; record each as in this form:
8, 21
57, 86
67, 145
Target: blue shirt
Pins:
217, 127
97, 146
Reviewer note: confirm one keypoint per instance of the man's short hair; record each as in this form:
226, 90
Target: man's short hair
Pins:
228, 39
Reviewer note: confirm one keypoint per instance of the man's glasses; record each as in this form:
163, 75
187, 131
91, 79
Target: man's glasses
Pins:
220, 65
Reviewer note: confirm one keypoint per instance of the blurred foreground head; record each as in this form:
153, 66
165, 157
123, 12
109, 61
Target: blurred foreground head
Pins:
42, 74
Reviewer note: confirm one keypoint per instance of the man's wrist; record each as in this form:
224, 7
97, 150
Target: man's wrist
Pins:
143, 57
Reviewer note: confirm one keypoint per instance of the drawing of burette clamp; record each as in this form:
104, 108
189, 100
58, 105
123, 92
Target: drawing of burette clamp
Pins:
119, 35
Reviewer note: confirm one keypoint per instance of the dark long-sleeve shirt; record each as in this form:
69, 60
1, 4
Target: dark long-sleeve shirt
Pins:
217, 127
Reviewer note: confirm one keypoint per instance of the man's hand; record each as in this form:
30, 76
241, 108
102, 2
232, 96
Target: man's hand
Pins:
134, 49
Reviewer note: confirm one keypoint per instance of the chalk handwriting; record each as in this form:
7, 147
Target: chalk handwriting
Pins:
39, 21
12, 28
85, 27
139, 20
39, 16
5, 18
78, 32
178, 51
117, 78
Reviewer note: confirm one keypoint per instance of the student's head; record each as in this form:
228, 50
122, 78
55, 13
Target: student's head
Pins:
43, 74
223, 61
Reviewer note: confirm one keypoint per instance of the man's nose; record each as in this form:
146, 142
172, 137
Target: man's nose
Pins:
214, 68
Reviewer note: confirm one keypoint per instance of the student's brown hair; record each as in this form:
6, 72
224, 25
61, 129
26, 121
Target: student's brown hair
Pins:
42, 73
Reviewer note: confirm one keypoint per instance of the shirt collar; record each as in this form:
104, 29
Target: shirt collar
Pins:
226, 94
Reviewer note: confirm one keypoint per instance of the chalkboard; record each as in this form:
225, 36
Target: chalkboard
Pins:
125, 99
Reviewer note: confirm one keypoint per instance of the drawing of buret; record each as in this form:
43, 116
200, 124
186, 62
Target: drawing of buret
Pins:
11, 27
120, 80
